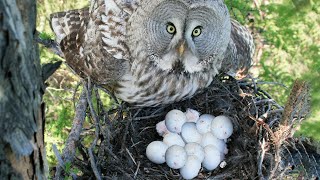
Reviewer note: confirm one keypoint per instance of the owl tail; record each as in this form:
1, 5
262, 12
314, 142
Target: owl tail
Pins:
64, 23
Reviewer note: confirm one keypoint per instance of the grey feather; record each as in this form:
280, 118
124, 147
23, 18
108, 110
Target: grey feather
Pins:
155, 52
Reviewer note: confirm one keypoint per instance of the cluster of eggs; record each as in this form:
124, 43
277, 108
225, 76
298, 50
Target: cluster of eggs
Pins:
190, 140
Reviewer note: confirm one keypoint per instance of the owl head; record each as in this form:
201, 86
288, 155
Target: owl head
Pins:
180, 35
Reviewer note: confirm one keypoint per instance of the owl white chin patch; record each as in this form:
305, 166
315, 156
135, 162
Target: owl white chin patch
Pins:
167, 61
191, 63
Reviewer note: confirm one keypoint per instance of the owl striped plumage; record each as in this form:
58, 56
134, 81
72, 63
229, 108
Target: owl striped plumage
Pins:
153, 52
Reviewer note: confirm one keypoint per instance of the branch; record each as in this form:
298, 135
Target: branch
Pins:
70, 147
94, 115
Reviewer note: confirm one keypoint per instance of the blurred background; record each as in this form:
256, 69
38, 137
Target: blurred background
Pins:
287, 38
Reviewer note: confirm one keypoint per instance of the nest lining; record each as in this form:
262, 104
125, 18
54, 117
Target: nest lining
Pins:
261, 146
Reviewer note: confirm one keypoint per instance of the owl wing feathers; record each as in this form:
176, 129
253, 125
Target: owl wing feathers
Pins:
93, 39
64, 23
96, 64
239, 54
108, 23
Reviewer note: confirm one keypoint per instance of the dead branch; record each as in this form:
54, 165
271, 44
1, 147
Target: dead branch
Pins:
70, 147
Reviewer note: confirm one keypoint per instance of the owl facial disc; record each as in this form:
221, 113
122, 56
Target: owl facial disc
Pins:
180, 36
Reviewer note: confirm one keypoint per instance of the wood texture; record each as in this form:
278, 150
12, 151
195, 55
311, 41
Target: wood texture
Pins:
22, 153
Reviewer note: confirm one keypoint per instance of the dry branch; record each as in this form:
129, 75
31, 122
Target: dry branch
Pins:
68, 154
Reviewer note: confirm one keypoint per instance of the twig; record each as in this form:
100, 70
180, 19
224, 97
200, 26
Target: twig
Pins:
316, 170
58, 155
262, 153
112, 154
70, 147
97, 130
137, 170
134, 161
75, 92
148, 117
261, 83
93, 164
124, 138
269, 101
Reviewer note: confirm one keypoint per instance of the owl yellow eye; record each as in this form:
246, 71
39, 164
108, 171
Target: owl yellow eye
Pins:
196, 32
171, 29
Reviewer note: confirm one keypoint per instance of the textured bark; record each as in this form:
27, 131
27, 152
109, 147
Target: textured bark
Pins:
22, 153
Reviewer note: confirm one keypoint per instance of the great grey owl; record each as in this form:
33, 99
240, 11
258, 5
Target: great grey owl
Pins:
151, 52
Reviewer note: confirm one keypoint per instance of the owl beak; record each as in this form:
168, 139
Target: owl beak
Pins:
181, 48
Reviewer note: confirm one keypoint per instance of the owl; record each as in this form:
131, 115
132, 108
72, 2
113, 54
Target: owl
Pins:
153, 52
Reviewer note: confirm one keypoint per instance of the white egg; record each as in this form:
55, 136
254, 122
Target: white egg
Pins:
173, 139
192, 115
176, 157
174, 120
156, 151
212, 157
190, 133
210, 139
221, 127
191, 168
194, 149
204, 123
162, 128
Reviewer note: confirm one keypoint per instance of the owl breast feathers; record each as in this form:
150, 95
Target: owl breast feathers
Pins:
153, 52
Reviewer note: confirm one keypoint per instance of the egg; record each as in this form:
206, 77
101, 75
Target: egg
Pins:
194, 149
174, 120
173, 139
192, 115
176, 157
156, 151
190, 133
212, 157
191, 168
210, 139
221, 127
204, 123
162, 128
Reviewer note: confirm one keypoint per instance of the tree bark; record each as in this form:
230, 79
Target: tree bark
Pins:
22, 152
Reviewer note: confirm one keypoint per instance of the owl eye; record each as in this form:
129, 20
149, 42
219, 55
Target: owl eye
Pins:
171, 29
196, 32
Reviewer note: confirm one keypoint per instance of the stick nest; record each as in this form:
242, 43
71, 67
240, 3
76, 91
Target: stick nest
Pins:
112, 142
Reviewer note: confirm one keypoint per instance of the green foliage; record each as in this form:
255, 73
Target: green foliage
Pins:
44, 35
240, 10
292, 35
311, 128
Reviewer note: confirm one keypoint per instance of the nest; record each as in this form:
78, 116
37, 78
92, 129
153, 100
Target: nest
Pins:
262, 146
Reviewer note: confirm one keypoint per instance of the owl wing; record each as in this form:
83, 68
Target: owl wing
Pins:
94, 45
239, 54
64, 23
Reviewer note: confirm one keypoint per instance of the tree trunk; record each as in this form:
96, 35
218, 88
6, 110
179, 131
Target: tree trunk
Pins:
22, 152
